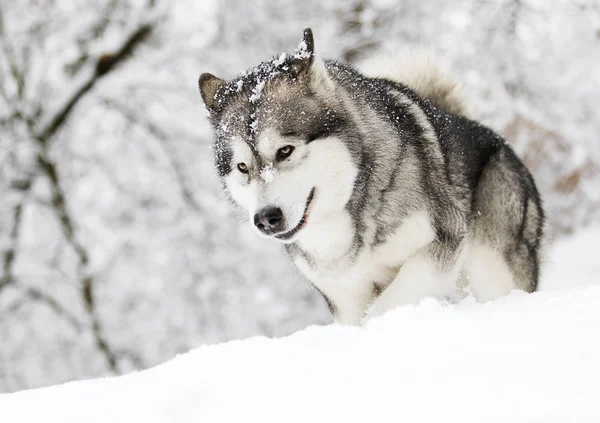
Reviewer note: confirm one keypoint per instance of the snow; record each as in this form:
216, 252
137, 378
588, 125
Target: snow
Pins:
267, 173
301, 51
522, 358
257, 91
174, 266
280, 60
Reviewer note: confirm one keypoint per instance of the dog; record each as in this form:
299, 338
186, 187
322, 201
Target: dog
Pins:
381, 190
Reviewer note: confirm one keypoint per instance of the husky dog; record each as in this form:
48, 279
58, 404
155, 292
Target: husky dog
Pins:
381, 190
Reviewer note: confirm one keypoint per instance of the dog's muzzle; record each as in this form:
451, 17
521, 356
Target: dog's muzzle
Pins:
270, 220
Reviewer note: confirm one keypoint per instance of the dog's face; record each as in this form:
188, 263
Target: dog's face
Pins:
279, 148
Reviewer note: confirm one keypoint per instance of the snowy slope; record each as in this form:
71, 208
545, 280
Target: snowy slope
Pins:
523, 358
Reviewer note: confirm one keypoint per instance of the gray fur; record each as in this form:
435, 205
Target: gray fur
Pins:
412, 154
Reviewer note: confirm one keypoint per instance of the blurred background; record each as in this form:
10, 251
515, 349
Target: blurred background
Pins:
117, 249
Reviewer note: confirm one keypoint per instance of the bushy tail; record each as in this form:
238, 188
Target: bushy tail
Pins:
419, 70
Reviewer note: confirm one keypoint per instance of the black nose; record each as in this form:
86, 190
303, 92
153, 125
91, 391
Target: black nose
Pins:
269, 220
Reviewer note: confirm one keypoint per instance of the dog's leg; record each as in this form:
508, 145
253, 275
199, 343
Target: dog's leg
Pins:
432, 271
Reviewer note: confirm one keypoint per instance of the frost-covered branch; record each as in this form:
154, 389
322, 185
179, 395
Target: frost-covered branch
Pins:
36, 294
164, 141
48, 168
8, 258
104, 65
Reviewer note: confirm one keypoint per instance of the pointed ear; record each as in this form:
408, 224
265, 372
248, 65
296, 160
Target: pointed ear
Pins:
310, 68
209, 85
304, 54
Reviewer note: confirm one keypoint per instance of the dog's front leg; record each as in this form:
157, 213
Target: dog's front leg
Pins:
432, 271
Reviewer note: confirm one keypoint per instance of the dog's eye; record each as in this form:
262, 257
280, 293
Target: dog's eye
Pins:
242, 167
284, 152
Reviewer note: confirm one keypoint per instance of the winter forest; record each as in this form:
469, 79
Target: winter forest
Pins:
118, 250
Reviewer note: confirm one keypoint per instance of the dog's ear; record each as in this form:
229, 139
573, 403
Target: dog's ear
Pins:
310, 68
304, 55
209, 85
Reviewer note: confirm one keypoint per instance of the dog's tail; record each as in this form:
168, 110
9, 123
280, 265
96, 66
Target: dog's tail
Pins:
418, 69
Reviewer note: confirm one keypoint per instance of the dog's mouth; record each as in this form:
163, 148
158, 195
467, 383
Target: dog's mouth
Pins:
286, 236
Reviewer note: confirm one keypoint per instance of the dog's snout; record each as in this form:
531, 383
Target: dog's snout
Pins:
269, 220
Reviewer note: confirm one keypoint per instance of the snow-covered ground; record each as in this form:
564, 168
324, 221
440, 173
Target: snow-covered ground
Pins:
523, 358
156, 262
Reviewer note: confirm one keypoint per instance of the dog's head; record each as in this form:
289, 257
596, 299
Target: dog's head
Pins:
279, 149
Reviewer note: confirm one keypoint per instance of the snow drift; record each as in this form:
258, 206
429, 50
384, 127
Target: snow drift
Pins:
523, 358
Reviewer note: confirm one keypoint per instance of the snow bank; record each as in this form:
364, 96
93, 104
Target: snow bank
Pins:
523, 358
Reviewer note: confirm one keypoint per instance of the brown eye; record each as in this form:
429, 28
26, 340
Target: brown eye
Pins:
284, 152
242, 167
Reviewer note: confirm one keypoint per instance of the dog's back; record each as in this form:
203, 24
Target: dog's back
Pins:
506, 217
420, 70
481, 199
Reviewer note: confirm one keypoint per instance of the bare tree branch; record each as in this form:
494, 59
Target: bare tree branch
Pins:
105, 64
15, 71
163, 138
37, 295
9, 255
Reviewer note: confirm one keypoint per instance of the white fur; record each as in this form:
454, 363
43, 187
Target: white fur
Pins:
325, 165
419, 277
349, 284
412, 235
488, 275
346, 285
237, 183
328, 236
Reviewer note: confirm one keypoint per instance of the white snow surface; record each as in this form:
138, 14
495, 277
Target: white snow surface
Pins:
522, 358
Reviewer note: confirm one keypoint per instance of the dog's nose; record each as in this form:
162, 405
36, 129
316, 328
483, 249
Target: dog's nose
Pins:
269, 220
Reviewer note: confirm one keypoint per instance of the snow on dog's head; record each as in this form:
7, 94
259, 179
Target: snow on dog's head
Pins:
278, 148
